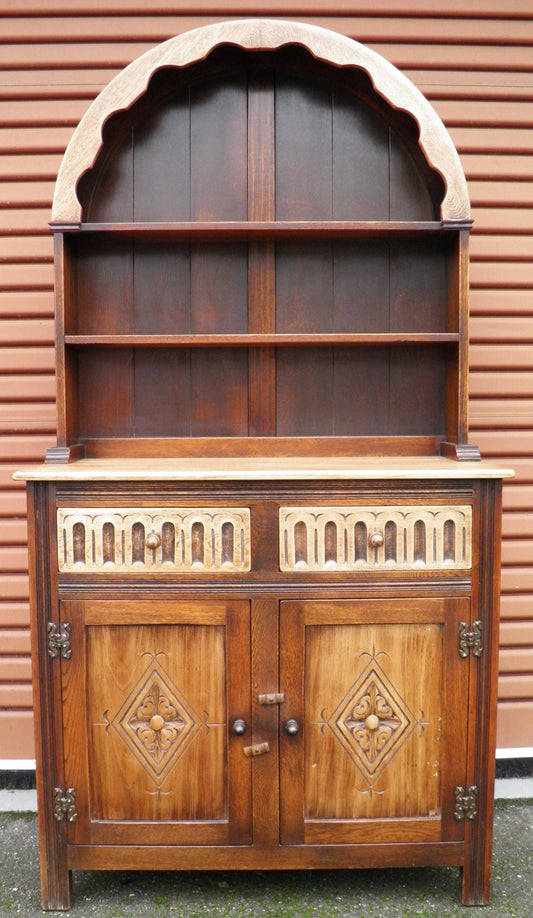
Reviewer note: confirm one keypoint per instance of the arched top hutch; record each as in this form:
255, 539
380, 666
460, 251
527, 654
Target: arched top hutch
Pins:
262, 232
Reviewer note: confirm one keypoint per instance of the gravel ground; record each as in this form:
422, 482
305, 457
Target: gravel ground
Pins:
315, 894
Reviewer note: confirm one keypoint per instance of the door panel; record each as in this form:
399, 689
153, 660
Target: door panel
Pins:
380, 708
147, 695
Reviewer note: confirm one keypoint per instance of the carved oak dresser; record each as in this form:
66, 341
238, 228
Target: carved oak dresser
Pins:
264, 557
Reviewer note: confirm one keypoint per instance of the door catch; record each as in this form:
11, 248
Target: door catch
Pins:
258, 749
271, 698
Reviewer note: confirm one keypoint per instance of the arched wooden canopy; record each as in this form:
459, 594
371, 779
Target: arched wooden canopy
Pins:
261, 35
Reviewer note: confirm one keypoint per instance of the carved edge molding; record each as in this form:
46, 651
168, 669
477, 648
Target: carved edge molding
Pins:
330, 539
260, 34
189, 539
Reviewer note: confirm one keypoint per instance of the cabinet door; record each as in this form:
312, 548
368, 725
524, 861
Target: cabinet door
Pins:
379, 693
149, 696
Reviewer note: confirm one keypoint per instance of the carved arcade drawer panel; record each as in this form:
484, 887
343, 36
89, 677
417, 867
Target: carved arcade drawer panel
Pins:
157, 539
375, 538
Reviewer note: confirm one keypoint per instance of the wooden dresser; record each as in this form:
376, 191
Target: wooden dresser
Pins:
264, 557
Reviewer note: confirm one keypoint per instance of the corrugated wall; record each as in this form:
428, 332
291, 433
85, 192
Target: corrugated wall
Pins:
473, 61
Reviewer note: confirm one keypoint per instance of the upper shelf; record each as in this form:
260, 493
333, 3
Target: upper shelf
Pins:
235, 230
263, 340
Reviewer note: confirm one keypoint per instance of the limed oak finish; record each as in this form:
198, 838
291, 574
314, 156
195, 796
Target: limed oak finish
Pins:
264, 556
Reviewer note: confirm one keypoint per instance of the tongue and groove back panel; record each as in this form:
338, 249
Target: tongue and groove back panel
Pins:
253, 139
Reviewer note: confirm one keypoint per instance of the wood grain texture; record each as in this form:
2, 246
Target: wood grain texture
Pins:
262, 468
190, 539
55, 878
154, 721
158, 674
340, 538
355, 730
261, 35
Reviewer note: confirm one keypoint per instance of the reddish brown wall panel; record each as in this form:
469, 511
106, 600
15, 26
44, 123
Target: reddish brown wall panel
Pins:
475, 67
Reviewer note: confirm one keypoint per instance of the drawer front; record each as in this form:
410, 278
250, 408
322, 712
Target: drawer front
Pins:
375, 538
190, 539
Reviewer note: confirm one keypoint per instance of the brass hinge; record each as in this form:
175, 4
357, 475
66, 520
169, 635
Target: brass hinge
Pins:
470, 640
65, 804
59, 640
466, 802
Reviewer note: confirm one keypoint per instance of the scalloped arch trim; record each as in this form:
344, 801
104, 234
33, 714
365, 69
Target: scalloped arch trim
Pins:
255, 35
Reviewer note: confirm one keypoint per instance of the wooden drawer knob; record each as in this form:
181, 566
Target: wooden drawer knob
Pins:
153, 540
376, 539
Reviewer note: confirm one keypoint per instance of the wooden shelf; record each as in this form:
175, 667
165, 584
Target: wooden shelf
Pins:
275, 229
262, 340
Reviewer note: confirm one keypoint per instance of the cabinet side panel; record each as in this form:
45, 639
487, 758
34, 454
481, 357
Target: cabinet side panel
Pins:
66, 308
483, 698
55, 882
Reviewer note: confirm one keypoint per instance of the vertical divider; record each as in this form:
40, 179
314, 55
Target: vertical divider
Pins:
261, 255
66, 305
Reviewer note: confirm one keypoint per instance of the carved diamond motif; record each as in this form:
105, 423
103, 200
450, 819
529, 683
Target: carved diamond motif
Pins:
156, 723
372, 722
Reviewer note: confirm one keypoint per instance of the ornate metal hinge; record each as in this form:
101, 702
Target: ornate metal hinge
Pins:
65, 804
470, 640
59, 641
466, 802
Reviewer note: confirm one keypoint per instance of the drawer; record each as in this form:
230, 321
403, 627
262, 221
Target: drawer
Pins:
190, 539
375, 538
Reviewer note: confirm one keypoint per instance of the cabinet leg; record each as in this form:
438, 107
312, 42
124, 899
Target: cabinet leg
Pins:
56, 878
56, 890
475, 884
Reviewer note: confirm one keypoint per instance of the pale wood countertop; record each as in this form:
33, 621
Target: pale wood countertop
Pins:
263, 469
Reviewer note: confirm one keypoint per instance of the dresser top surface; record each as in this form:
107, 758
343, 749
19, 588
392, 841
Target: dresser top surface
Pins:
263, 469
